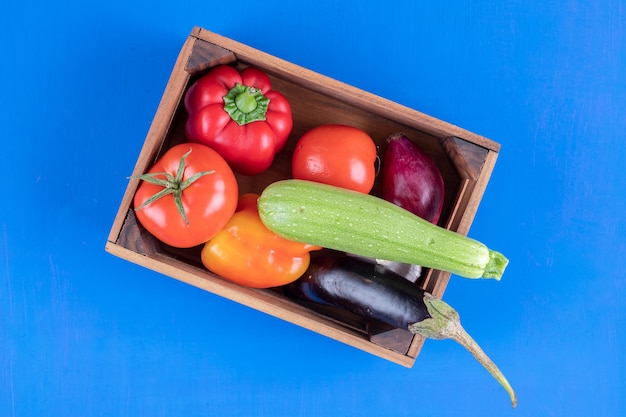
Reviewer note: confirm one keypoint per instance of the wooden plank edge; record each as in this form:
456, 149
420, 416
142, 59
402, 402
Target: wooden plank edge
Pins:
456, 214
260, 300
267, 302
477, 193
350, 94
205, 55
158, 129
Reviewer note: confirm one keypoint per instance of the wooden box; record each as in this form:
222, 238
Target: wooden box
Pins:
465, 159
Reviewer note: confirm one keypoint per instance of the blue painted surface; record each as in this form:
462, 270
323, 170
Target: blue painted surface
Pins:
83, 333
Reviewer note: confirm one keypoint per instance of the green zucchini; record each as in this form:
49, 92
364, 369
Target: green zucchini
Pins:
362, 224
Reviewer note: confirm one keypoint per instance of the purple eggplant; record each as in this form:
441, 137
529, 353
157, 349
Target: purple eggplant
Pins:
375, 293
361, 287
411, 179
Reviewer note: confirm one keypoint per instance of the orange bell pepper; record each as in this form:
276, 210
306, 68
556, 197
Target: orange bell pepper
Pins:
248, 253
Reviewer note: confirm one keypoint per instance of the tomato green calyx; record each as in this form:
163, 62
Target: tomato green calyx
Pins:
171, 185
245, 104
444, 323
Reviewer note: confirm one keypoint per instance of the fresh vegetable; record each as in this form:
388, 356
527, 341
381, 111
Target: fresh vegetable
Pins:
365, 225
187, 196
334, 154
378, 294
247, 253
408, 271
411, 179
239, 115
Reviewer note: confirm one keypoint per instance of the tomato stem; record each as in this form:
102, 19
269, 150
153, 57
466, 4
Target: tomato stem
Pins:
245, 104
171, 184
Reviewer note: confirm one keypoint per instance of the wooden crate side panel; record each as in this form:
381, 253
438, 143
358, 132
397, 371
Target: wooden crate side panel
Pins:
262, 300
477, 193
158, 129
205, 55
474, 165
344, 92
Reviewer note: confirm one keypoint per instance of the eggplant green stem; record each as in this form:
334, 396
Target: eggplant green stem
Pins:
245, 104
445, 323
171, 184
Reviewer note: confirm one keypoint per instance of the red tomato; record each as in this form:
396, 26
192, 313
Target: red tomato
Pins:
338, 155
207, 201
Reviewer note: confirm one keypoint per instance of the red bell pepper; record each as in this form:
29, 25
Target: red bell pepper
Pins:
240, 116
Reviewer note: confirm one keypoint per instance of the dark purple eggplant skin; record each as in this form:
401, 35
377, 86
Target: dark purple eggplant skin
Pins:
361, 287
380, 295
411, 179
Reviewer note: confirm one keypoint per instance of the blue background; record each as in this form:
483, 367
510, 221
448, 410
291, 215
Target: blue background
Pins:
83, 333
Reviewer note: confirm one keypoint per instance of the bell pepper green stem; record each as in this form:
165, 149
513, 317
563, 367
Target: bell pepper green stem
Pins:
444, 323
171, 185
245, 104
